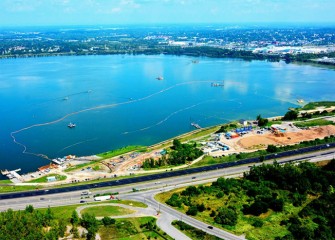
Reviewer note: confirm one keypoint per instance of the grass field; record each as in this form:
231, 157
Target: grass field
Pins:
121, 151
6, 189
314, 105
311, 123
208, 160
66, 211
107, 211
5, 181
133, 228
130, 203
44, 178
271, 220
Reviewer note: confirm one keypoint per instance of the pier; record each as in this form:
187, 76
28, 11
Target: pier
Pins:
12, 175
195, 125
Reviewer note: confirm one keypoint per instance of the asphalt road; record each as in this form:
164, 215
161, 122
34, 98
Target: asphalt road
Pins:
149, 189
171, 214
168, 174
73, 197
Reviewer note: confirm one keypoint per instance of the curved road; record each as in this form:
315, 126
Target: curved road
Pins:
150, 188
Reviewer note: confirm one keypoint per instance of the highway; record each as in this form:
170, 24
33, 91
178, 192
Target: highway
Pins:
297, 154
148, 189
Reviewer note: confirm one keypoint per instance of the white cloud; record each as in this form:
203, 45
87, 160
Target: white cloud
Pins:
21, 5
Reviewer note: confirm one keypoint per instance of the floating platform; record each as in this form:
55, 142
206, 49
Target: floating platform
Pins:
215, 84
196, 125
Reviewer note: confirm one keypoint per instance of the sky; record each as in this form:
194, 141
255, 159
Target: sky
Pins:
109, 12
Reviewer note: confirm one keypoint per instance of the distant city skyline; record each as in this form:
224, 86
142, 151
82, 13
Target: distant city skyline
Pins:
109, 12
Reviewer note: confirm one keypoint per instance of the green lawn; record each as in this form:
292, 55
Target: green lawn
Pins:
130, 203
316, 122
5, 181
208, 160
44, 178
5, 189
314, 105
134, 229
107, 211
66, 211
273, 122
121, 151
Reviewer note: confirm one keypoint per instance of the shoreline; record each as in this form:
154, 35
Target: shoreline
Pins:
123, 53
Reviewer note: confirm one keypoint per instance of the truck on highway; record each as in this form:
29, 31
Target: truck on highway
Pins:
103, 198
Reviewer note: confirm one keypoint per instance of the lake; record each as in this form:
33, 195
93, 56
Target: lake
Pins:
117, 100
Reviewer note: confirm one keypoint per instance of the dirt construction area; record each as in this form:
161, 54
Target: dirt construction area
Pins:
288, 138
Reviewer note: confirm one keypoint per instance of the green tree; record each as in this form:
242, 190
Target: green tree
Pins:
226, 216
75, 218
271, 148
61, 227
29, 209
48, 217
176, 144
106, 221
256, 208
291, 115
89, 222
192, 210
174, 200
262, 121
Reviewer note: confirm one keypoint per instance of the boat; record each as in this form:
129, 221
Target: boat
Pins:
300, 101
160, 78
66, 98
217, 84
71, 125
195, 61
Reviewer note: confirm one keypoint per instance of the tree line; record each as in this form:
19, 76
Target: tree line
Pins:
32, 224
180, 153
269, 187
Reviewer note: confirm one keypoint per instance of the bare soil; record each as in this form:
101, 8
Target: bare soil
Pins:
259, 141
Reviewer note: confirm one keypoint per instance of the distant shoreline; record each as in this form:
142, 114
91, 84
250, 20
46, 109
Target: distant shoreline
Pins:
249, 57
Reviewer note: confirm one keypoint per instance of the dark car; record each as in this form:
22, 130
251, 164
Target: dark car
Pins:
82, 201
194, 177
210, 227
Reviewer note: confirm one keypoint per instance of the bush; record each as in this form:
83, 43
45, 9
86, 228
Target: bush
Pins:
257, 208
106, 221
213, 213
193, 210
277, 205
219, 195
271, 149
174, 200
257, 223
291, 115
226, 216
201, 207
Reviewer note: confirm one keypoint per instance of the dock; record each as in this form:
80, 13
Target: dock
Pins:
12, 175
196, 125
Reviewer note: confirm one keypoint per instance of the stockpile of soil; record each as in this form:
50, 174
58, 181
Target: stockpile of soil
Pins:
260, 141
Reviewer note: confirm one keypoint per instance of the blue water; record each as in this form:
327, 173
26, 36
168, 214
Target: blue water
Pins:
135, 107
